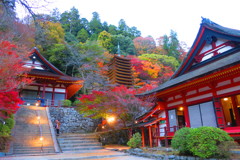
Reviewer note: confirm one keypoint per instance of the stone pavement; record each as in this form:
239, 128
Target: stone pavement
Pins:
103, 154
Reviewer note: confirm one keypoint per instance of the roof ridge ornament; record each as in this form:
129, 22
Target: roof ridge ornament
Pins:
207, 20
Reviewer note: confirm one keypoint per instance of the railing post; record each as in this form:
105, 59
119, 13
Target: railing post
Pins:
166, 140
174, 128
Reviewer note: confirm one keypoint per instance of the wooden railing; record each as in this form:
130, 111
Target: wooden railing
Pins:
42, 102
165, 133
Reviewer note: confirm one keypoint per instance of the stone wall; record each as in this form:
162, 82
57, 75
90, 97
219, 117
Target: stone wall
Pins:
72, 121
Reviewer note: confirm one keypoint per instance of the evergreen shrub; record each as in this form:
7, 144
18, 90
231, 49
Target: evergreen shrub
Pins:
135, 141
66, 103
4, 130
209, 142
204, 142
180, 141
10, 123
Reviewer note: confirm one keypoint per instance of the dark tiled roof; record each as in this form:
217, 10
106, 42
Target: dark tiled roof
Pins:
44, 73
205, 70
217, 27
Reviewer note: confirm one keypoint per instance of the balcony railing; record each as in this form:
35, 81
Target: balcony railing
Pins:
42, 102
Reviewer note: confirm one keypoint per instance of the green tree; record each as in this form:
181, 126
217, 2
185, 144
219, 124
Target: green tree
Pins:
71, 21
82, 35
172, 46
134, 32
70, 38
126, 45
95, 25
112, 29
104, 39
105, 26
122, 27
85, 24
58, 55
56, 15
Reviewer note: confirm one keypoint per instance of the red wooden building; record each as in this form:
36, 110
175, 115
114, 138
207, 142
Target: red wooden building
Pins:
49, 84
204, 91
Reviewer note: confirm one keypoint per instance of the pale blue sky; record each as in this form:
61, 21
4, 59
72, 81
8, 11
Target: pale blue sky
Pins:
157, 17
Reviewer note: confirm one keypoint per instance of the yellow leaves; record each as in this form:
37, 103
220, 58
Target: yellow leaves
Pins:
104, 39
152, 69
53, 31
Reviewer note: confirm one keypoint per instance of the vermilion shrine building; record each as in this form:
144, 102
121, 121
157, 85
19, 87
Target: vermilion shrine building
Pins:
49, 84
204, 91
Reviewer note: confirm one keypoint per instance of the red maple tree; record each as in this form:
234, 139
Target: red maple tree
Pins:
12, 76
119, 102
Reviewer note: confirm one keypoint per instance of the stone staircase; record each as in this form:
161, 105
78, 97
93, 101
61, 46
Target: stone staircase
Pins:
29, 129
79, 142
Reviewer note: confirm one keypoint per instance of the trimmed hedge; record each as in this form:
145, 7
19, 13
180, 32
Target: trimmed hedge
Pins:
204, 142
180, 141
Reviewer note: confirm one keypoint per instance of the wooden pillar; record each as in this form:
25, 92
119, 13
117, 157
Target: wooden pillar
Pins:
150, 136
235, 109
158, 134
185, 111
66, 93
143, 137
167, 119
44, 90
39, 92
186, 116
53, 96
218, 108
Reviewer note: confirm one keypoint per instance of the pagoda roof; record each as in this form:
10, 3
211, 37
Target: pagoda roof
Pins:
120, 71
191, 70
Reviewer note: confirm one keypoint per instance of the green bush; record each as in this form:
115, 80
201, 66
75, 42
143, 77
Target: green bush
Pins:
66, 103
75, 103
209, 142
135, 141
10, 123
204, 142
4, 130
180, 141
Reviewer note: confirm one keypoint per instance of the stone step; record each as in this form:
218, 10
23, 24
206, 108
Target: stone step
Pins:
36, 150
32, 152
80, 144
78, 135
27, 132
77, 141
82, 148
30, 147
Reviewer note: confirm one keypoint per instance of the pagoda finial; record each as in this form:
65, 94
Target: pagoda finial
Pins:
118, 51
